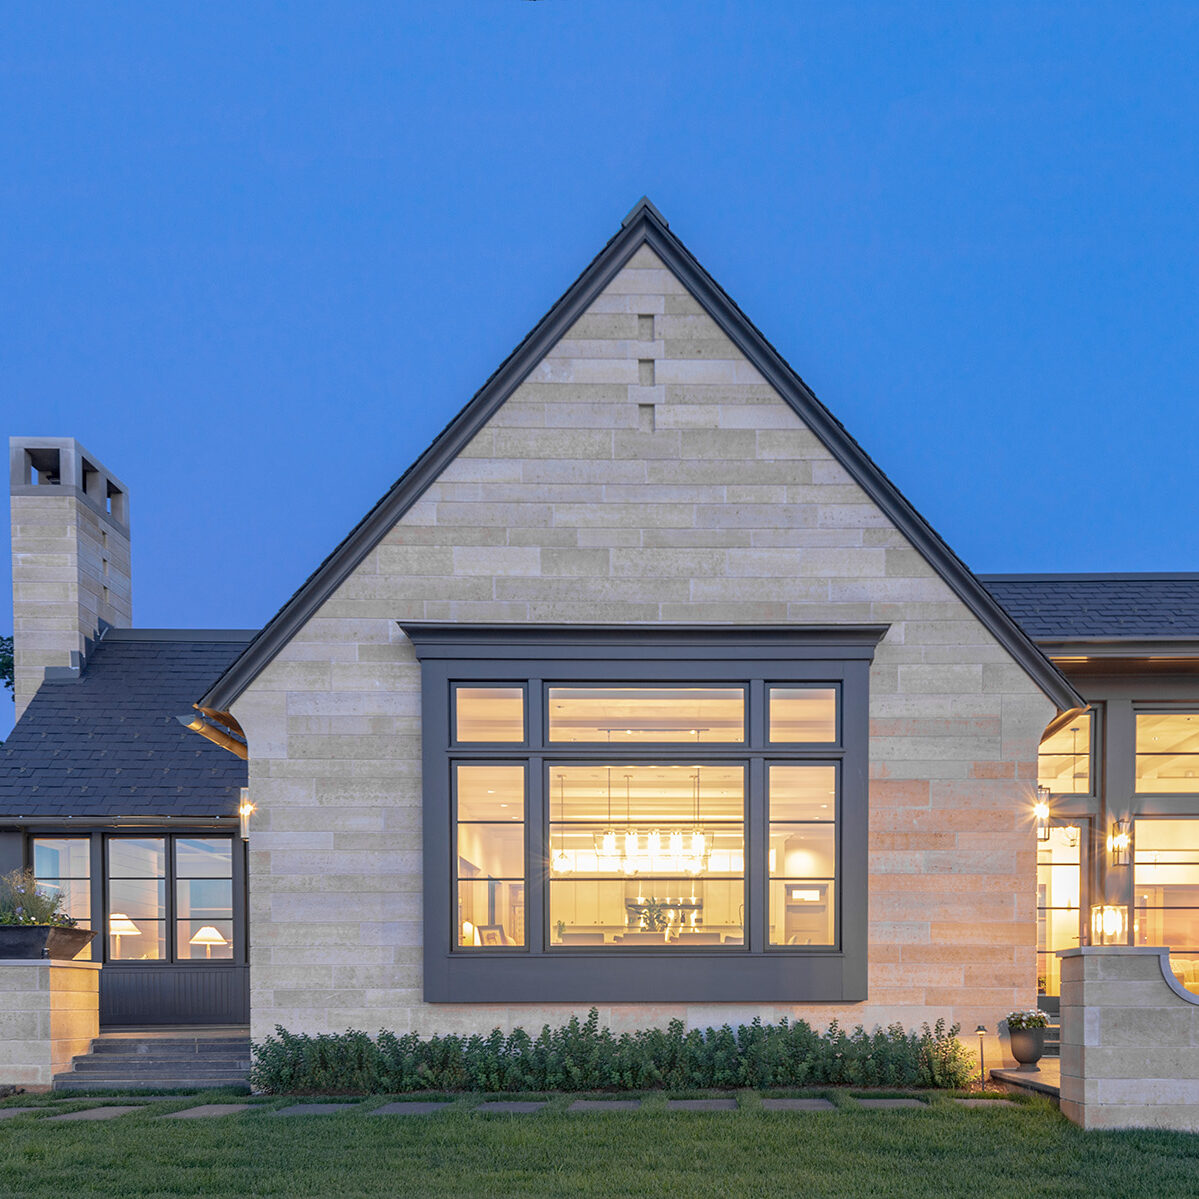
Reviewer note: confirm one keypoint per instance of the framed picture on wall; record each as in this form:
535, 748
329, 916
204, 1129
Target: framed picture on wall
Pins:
492, 934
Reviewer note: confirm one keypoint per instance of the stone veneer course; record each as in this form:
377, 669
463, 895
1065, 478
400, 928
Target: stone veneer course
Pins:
643, 472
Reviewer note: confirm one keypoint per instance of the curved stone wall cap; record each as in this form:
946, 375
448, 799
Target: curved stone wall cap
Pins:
1163, 959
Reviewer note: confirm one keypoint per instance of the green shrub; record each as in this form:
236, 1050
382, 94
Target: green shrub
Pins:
582, 1056
21, 902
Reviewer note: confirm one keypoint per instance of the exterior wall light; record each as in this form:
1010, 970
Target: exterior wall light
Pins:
1119, 842
1109, 924
1041, 812
243, 813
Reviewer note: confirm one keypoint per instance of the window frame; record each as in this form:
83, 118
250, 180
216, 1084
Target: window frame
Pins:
754, 656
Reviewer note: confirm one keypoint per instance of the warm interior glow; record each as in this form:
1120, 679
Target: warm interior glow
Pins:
678, 883
1064, 759
803, 714
661, 714
802, 854
1059, 900
489, 714
490, 836
1167, 753
121, 926
1166, 892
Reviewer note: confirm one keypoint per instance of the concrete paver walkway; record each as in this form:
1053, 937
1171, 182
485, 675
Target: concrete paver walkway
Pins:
6, 1113
95, 1113
798, 1105
701, 1105
883, 1104
314, 1109
605, 1105
986, 1103
420, 1107
514, 1106
206, 1110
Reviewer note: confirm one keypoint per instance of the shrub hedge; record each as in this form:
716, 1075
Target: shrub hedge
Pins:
582, 1056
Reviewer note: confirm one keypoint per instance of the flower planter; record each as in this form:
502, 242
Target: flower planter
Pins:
1028, 1047
36, 941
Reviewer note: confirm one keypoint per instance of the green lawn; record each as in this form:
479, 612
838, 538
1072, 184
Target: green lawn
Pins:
945, 1150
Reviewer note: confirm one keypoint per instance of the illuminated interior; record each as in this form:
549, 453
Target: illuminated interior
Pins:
802, 854
1064, 760
62, 866
1167, 759
647, 855
491, 856
632, 715
1166, 890
803, 714
489, 714
1059, 902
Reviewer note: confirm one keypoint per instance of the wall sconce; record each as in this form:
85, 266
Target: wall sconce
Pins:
1119, 842
1041, 812
1109, 924
243, 813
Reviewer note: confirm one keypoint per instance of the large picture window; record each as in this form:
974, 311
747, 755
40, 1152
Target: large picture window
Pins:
612, 814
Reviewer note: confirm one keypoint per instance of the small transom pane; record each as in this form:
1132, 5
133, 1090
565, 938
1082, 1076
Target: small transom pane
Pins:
803, 792
1167, 758
137, 857
1064, 759
491, 793
62, 857
661, 714
489, 714
204, 857
803, 714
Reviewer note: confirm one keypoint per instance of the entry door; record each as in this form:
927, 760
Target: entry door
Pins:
1061, 902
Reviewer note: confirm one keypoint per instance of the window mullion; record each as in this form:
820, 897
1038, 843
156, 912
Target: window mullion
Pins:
757, 874
536, 854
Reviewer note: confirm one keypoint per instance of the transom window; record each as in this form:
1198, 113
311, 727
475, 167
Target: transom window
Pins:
1167, 758
689, 802
1064, 759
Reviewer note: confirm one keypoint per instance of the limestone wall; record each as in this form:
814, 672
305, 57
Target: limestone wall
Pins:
1129, 1040
49, 1012
643, 472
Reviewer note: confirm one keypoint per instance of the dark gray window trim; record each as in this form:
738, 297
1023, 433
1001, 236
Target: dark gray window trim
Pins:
643, 226
762, 655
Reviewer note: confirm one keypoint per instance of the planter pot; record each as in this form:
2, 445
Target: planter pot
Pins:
36, 941
1028, 1047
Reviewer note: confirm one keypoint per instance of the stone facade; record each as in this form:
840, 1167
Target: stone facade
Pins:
70, 557
643, 472
1130, 1040
49, 1012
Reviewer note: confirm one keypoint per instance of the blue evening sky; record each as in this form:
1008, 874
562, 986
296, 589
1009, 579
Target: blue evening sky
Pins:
254, 256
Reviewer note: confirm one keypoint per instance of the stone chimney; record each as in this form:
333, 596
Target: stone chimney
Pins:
70, 556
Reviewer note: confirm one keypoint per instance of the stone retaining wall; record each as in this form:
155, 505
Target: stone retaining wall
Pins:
1130, 1040
49, 1012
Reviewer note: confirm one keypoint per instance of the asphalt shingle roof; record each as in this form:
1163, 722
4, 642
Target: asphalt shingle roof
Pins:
1064, 607
108, 743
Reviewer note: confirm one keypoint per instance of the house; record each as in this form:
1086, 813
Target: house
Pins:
642, 688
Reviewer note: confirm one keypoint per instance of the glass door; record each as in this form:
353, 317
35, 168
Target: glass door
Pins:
1060, 903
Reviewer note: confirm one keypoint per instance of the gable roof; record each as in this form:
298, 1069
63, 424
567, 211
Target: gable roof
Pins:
107, 742
643, 226
1068, 607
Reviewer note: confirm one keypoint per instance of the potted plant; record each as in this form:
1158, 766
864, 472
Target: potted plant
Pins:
1027, 1032
32, 924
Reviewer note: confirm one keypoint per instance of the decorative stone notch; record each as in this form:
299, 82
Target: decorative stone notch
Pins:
1129, 1040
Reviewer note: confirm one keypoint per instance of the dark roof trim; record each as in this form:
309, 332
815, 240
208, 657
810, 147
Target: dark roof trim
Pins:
1100, 577
690, 644
643, 226
1120, 647
114, 634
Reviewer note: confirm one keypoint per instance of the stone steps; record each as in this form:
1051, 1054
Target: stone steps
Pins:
118, 1063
